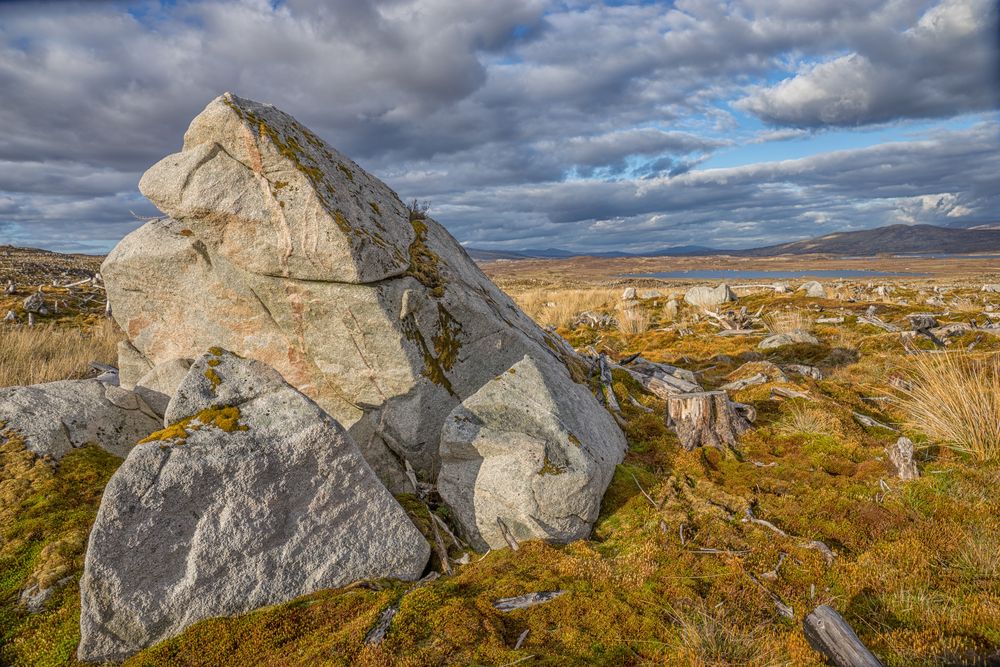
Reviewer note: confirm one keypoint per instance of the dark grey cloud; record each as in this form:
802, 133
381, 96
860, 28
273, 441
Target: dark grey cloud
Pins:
570, 123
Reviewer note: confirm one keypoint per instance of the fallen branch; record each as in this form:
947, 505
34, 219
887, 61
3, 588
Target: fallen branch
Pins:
526, 600
828, 632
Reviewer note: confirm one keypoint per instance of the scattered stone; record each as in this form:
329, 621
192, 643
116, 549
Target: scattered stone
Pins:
527, 451
650, 294
628, 294
807, 371
781, 288
11, 316
813, 289
255, 497
901, 458
36, 304
994, 287
55, 417
707, 297
920, 321
671, 309
788, 338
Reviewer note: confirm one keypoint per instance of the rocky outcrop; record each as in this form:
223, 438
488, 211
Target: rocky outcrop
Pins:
160, 382
284, 250
529, 454
55, 417
709, 297
252, 496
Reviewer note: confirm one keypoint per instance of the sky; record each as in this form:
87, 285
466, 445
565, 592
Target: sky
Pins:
526, 123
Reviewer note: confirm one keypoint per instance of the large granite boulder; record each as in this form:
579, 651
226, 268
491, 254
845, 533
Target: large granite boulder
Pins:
55, 417
813, 289
527, 450
284, 250
252, 497
709, 297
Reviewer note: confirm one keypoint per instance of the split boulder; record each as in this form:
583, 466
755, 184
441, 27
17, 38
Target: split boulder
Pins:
282, 249
254, 497
526, 451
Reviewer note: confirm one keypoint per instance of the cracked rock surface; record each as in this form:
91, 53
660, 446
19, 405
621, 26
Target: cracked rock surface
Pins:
283, 250
522, 449
254, 496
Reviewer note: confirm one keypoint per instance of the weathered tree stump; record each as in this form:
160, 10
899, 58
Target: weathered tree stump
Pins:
828, 633
901, 458
705, 419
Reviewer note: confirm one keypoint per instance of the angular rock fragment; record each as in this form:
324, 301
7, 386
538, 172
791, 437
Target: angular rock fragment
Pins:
55, 417
901, 457
158, 385
529, 451
252, 497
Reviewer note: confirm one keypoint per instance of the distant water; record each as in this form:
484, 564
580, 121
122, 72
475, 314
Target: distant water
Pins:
730, 274
930, 255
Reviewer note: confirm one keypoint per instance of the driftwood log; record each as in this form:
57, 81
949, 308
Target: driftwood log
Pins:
705, 419
828, 633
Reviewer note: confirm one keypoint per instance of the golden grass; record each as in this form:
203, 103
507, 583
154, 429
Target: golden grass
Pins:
632, 319
560, 307
955, 399
31, 355
787, 321
807, 420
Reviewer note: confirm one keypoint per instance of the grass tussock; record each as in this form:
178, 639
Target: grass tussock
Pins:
560, 308
787, 321
32, 355
633, 320
955, 399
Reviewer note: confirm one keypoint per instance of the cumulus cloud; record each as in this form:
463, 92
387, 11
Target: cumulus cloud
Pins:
944, 65
568, 123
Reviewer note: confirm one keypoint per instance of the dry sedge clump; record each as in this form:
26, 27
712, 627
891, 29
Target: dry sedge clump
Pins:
955, 399
632, 320
787, 321
805, 420
560, 308
32, 355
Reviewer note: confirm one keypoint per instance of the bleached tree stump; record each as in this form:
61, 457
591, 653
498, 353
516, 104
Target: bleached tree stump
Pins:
901, 458
705, 419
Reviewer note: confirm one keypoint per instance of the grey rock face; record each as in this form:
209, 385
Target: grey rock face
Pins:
922, 321
260, 498
797, 336
628, 293
901, 457
158, 385
36, 304
55, 417
671, 310
528, 449
709, 297
813, 289
285, 251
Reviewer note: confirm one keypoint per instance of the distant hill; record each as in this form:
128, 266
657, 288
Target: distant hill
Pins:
893, 239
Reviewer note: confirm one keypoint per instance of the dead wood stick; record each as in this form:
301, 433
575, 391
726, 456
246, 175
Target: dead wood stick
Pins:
526, 600
609, 393
520, 640
779, 604
743, 383
785, 392
648, 497
871, 422
639, 405
507, 535
828, 632
455, 540
439, 547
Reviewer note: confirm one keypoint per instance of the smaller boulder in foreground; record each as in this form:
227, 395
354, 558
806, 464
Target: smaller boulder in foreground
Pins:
526, 452
253, 496
55, 417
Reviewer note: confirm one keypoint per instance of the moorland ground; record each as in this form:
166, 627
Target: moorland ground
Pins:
674, 573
